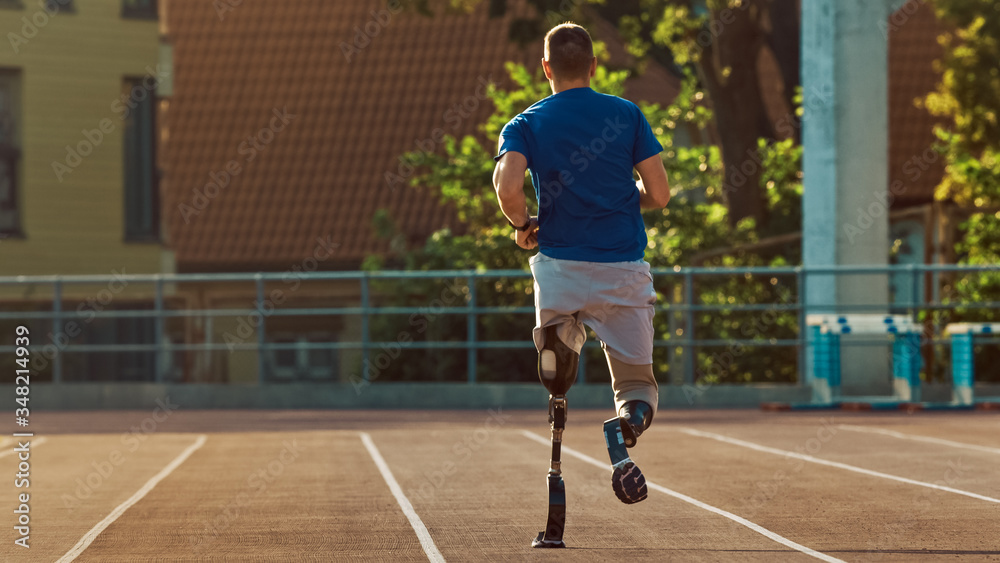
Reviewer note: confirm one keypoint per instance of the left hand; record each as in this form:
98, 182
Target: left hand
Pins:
528, 238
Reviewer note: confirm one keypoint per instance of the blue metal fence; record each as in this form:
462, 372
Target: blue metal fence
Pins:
689, 306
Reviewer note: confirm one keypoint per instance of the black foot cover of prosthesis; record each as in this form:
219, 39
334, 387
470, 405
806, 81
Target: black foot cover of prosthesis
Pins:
627, 481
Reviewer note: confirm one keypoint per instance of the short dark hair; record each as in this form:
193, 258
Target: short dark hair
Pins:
569, 50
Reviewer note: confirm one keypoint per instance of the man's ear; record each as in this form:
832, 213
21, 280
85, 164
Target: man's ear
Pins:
547, 69
593, 67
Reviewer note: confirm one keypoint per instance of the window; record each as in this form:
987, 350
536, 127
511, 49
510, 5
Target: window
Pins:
298, 359
142, 202
10, 151
56, 6
139, 9
114, 365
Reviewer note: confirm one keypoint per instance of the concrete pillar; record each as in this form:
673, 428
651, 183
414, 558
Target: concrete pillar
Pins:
845, 166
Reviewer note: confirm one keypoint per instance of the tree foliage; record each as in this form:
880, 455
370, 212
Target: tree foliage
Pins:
968, 98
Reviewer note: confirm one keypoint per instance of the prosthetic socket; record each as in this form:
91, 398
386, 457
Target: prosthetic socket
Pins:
634, 418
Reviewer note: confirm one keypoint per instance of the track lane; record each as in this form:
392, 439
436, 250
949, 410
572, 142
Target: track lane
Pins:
836, 465
426, 541
943, 465
919, 438
494, 502
117, 512
76, 481
851, 516
301, 496
485, 500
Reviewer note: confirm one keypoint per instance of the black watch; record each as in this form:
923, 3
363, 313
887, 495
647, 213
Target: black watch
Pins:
522, 228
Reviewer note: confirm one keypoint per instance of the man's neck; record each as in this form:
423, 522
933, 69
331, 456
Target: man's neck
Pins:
563, 86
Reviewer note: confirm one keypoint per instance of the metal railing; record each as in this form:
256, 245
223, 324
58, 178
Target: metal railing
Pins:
684, 281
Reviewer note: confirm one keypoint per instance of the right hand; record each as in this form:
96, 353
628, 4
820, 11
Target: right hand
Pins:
528, 238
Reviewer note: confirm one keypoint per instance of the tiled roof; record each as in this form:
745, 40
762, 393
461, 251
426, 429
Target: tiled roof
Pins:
323, 175
913, 47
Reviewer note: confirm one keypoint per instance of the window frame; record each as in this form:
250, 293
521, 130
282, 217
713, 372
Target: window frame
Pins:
154, 234
140, 10
17, 231
14, 153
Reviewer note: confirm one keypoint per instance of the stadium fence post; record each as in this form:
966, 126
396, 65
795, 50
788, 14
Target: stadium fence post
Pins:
471, 353
261, 332
800, 283
689, 349
159, 356
57, 362
365, 326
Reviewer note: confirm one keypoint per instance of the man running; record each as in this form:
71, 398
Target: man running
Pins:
581, 148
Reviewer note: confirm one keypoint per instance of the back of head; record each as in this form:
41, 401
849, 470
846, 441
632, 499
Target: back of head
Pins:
569, 51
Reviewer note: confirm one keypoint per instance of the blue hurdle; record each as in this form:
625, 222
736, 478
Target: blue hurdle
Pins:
962, 362
824, 349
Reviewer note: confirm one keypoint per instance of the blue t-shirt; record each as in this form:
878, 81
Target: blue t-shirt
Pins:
581, 147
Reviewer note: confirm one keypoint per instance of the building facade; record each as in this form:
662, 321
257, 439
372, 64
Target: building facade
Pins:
81, 89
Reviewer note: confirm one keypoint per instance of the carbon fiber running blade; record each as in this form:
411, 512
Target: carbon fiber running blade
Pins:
553, 534
615, 441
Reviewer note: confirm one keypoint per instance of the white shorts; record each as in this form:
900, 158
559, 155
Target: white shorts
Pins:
615, 299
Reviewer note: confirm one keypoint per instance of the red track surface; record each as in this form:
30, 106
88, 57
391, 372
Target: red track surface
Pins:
300, 485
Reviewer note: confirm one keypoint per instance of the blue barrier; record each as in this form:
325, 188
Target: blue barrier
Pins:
824, 343
906, 363
963, 364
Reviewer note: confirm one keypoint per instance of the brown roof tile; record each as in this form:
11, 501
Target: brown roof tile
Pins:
913, 47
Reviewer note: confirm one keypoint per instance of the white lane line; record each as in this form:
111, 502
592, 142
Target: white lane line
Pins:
681, 496
90, 536
918, 438
418, 526
838, 465
34, 443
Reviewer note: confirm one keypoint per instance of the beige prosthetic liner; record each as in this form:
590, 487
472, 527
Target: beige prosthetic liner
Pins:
632, 382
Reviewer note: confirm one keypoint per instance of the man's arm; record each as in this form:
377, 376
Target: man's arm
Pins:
653, 187
508, 180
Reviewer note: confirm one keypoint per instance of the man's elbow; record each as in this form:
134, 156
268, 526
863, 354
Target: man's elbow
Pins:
503, 189
660, 198
496, 180
507, 192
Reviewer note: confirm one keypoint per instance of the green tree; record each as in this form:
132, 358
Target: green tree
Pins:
968, 98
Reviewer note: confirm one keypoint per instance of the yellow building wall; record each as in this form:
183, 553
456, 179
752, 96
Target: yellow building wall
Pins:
72, 70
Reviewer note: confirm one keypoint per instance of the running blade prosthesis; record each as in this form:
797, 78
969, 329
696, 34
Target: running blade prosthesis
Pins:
552, 537
627, 481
